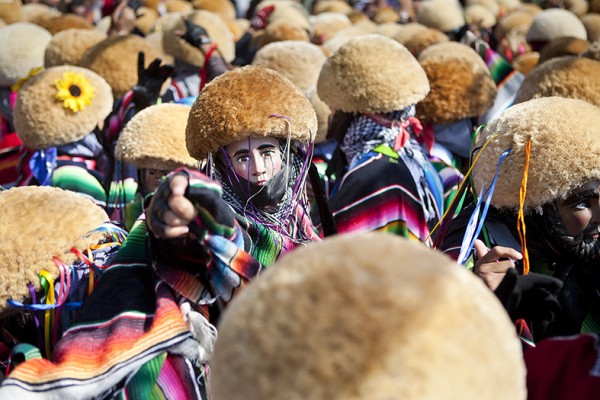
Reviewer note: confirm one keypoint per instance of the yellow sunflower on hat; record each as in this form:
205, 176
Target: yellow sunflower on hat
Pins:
74, 90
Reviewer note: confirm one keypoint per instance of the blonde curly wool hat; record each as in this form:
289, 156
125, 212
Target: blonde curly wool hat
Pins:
351, 81
461, 84
422, 40
63, 22
342, 37
518, 20
156, 40
279, 31
592, 26
67, 47
43, 121
565, 46
525, 63
299, 61
491, 5
155, 138
217, 30
334, 320
406, 32
22, 49
565, 149
10, 11
146, 19
323, 112
180, 6
290, 11
248, 102
37, 11
577, 7
385, 14
571, 77
325, 25
445, 15
38, 223
115, 59
480, 15
334, 6
388, 29
554, 23
223, 8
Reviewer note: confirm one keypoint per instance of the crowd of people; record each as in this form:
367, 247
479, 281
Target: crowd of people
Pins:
300, 199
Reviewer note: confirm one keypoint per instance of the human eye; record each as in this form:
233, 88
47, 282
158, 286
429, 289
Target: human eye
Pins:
581, 205
268, 153
242, 158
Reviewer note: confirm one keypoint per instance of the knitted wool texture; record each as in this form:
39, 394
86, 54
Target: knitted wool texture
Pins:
248, 102
553, 23
592, 26
571, 77
357, 78
336, 320
299, 61
67, 47
461, 84
23, 46
565, 148
445, 15
38, 223
155, 138
42, 121
565, 46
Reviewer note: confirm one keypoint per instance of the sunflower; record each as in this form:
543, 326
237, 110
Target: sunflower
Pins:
74, 90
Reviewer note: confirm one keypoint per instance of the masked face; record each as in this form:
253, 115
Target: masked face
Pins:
150, 179
256, 160
580, 211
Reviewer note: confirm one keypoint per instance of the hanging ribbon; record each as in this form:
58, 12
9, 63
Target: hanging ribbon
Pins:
521, 215
42, 164
47, 283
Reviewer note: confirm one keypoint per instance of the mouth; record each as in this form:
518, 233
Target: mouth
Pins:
260, 183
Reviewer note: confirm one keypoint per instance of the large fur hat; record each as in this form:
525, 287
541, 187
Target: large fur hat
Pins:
518, 20
342, 37
155, 138
525, 63
23, 46
352, 81
406, 32
42, 121
323, 113
10, 11
335, 6
592, 26
223, 8
445, 15
145, 19
217, 30
38, 223
554, 23
480, 15
180, 6
491, 5
565, 46
385, 14
593, 52
461, 84
422, 40
299, 61
280, 30
67, 47
115, 59
336, 320
248, 102
37, 11
571, 77
326, 25
565, 149
388, 29
63, 22
577, 7
290, 11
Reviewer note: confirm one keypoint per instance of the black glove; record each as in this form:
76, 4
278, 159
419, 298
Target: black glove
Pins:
195, 34
532, 296
150, 81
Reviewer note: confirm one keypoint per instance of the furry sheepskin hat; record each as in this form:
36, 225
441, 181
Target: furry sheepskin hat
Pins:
37, 11
299, 61
422, 40
480, 15
146, 19
554, 23
179, 6
571, 77
67, 47
592, 26
593, 52
461, 84
518, 20
290, 11
525, 63
279, 31
385, 14
38, 223
42, 120
63, 22
335, 6
577, 7
335, 320
326, 25
388, 29
10, 11
351, 81
217, 30
22, 49
406, 32
491, 5
565, 149
223, 8
342, 37
323, 113
248, 102
445, 15
565, 46
155, 138
115, 59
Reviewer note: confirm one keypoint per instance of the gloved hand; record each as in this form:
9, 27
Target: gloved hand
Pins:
195, 34
532, 296
150, 81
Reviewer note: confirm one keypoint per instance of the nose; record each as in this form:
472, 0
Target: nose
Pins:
257, 164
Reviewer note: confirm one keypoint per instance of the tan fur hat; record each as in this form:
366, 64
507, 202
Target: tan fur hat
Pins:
388, 29
248, 102
525, 63
491, 5
518, 20
38, 223
42, 120
422, 40
336, 320
593, 52
63, 22
217, 30
577, 7
115, 59
565, 46
223, 8
445, 15
180, 6
2, 24
565, 149
155, 138
156, 40
23, 46
37, 11
480, 15
323, 112
592, 26
146, 18
357, 17
461, 84
351, 81
299, 61
385, 14
289, 11
554, 23
572, 77
10, 11
279, 31
67, 47
335, 6
325, 25
406, 32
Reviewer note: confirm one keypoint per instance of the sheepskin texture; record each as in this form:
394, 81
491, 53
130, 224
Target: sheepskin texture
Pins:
38, 223
33, 11
63, 22
146, 18
406, 32
554, 23
180, 6
577, 7
42, 121
2, 24
508, 5
279, 31
342, 37
223, 8
23, 46
385, 14
218, 31
445, 15
570, 77
357, 78
286, 10
10, 11
115, 59
323, 112
325, 25
357, 17
480, 15
389, 29
519, 20
565, 46
335, 6
461, 84
592, 26
299, 61
67, 47
156, 40
491, 5
248, 102
525, 63
593, 52
565, 148
422, 40
337, 320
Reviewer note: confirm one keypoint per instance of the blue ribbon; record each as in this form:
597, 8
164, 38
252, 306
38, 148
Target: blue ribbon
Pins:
42, 307
42, 165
